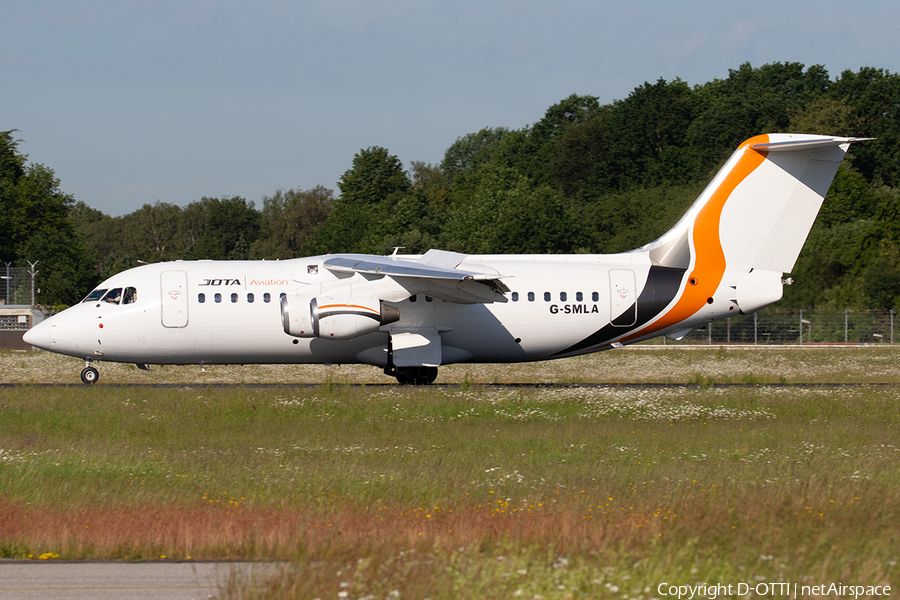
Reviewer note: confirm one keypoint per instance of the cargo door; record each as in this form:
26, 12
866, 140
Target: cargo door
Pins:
174, 298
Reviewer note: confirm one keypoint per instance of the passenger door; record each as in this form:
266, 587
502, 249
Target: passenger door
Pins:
174, 298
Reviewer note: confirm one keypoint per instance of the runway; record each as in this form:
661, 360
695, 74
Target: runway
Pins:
114, 580
447, 386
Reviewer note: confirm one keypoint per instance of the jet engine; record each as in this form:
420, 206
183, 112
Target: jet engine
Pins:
339, 318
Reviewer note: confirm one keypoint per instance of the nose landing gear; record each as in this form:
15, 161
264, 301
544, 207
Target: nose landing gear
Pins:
89, 374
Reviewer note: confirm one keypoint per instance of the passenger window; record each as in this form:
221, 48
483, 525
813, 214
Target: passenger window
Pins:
412, 298
429, 299
114, 296
546, 296
579, 296
130, 296
218, 298
515, 296
267, 297
595, 296
201, 298
234, 298
250, 298
95, 295
531, 296
562, 296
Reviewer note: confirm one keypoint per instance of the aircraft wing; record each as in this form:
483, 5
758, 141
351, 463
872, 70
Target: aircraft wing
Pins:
435, 273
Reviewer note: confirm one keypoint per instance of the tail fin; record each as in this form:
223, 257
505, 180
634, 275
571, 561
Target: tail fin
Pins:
758, 210
730, 250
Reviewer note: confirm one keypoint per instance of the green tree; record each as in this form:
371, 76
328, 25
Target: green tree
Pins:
416, 218
218, 228
470, 151
647, 134
533, 157
150, 233
369, 190
34, 226
103, 238
874, 97
375, 175
750, 102
509, 214
289, 221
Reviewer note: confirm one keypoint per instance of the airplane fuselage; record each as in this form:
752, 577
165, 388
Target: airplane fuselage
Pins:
189, 312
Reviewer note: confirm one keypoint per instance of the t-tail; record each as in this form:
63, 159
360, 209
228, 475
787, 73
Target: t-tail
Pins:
730, 251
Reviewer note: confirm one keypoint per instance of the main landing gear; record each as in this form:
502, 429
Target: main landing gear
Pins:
414, 375
89, 374
408, 375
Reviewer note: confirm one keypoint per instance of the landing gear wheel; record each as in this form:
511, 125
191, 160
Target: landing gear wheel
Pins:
90, 375
416, 375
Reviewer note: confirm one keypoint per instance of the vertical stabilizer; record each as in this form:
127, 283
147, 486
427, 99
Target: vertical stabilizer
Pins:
746, 229
758, 210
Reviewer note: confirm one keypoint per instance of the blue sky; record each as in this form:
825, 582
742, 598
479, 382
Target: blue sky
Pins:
134, 102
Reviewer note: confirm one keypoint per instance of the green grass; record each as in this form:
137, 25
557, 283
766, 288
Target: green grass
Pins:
472, 492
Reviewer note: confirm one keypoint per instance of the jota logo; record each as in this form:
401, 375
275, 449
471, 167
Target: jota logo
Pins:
221, 282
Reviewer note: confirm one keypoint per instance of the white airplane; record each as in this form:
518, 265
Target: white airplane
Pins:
410, 314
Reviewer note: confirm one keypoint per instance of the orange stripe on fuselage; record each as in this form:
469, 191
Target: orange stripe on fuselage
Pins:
709, 258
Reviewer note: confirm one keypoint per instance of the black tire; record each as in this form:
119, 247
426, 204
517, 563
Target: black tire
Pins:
90, 375
425, 375
416, 375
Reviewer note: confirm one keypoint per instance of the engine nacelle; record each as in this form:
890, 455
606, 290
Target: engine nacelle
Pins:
339, 318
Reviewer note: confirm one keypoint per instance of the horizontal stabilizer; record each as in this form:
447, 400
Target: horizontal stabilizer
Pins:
801, 145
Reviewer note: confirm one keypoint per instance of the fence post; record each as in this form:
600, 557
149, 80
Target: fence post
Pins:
846, 320
32, 272
801, 326
755, 318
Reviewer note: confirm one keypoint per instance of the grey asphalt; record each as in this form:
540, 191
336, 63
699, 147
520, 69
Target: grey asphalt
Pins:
76, 580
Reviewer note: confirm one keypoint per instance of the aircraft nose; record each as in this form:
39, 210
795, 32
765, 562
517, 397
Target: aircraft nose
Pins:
39, 335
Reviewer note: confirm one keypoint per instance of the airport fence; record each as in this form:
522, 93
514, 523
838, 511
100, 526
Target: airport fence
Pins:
797, 327
16, 285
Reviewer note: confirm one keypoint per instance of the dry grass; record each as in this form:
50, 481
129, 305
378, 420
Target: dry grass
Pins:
632, 364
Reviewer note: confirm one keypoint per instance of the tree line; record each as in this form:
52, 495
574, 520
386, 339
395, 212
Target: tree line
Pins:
585, 178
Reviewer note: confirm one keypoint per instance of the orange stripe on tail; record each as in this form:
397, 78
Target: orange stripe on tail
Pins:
709, 258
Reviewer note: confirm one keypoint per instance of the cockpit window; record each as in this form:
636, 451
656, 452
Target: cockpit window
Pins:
95, 295
113, 296
130, 296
